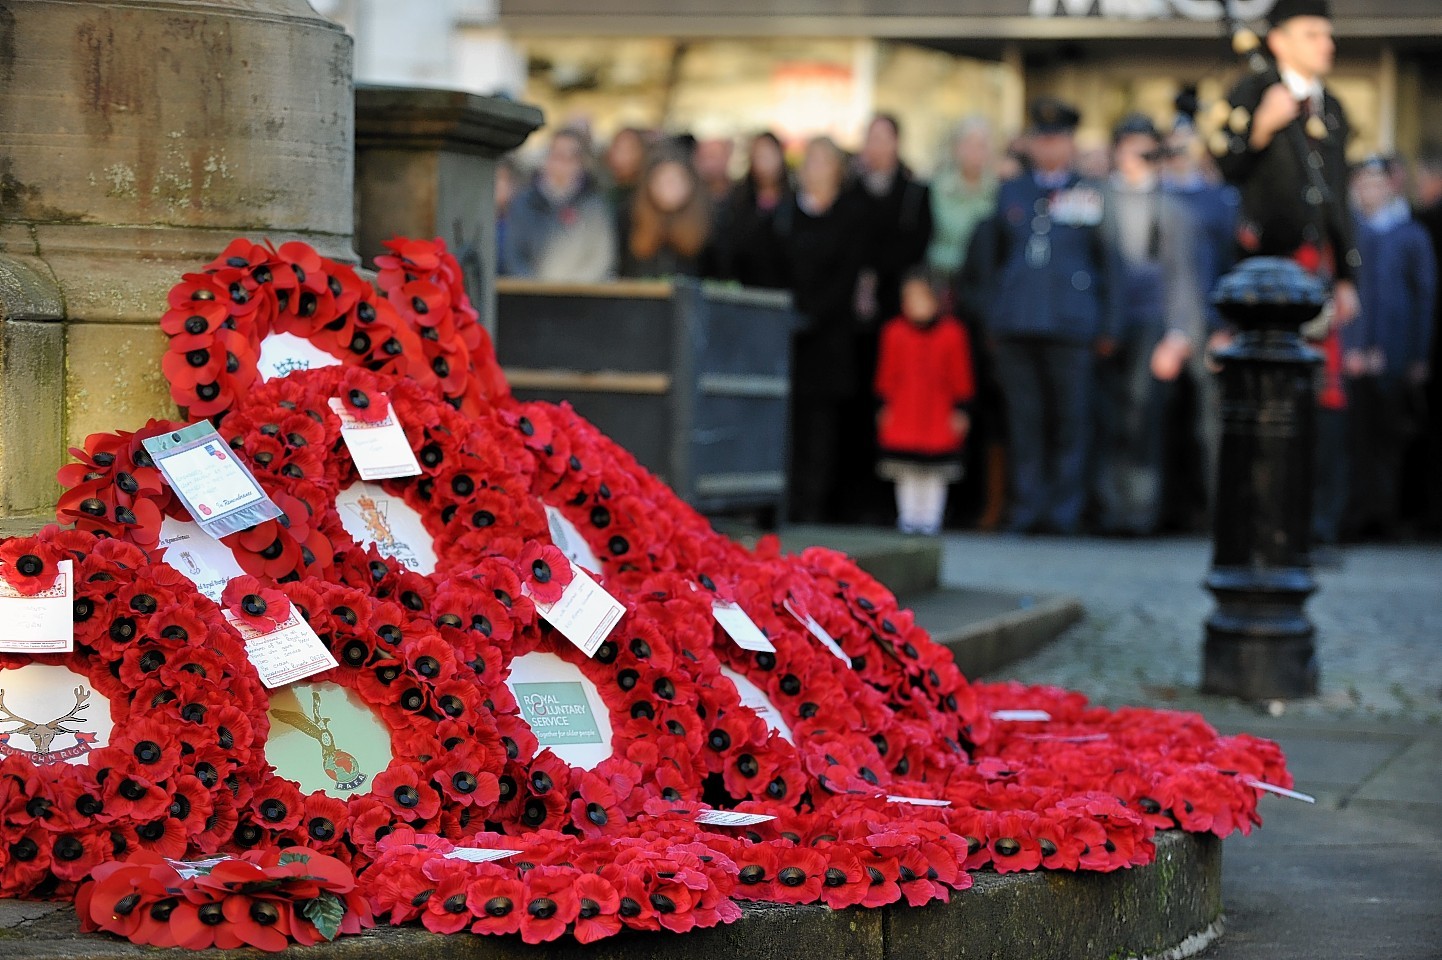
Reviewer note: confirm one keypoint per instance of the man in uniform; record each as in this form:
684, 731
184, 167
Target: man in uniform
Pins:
1056, 302
1284, 147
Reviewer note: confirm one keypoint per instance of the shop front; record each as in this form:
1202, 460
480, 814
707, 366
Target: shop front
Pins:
804, 67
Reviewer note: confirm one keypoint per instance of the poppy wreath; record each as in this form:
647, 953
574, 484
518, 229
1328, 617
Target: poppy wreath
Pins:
655, 876
447, 747
482, 610
265, 899
1171, 768
665, 872
599, 486
420, 325
469, 493
1087, 790
835, 750
185, 749
637, 527
291, 439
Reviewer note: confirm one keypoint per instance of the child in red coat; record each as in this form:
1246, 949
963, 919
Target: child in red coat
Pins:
924, 382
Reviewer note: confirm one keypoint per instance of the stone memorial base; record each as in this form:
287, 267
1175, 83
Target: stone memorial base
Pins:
1171, 908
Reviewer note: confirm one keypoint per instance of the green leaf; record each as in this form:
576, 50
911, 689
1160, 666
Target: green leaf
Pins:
326, 912
290, 856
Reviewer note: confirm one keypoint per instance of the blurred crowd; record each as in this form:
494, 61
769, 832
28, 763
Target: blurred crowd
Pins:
931, 359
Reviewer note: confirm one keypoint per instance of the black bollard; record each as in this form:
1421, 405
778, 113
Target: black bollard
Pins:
1259, 642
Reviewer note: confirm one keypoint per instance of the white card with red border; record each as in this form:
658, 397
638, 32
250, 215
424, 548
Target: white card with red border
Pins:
379, 448
585, 614
42, 623
286, 654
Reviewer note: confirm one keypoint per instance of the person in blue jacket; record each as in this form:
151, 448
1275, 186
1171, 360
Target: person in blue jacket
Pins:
1054, 305
1386, 348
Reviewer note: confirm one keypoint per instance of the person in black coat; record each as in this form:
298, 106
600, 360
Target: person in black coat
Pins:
1427, 480
1276, 134
753, 225
825, 256
895, 208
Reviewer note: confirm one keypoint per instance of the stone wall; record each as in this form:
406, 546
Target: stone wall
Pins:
139, 138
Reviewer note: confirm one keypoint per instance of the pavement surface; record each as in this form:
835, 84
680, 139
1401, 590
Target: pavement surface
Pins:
1360, 873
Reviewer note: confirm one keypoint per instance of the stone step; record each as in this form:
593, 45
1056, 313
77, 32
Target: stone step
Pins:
988, 629
908, 565
1171, 908
984, 629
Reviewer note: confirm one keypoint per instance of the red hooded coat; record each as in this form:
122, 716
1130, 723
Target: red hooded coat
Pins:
923, 373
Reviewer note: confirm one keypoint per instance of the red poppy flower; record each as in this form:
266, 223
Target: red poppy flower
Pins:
545, 570
259, 921
446, 910
595, 805
550, 903
844, 882
497, 900
404, 788
597, 903
28, 566
800, 875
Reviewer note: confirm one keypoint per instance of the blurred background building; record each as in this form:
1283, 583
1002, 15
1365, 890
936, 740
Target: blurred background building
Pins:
802, 67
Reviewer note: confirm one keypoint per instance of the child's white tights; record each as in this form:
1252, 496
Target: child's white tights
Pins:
920, 501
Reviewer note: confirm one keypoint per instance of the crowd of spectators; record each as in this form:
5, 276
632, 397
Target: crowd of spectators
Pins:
1094, 410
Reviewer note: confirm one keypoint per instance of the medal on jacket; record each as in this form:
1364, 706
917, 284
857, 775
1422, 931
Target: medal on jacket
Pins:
1038, 251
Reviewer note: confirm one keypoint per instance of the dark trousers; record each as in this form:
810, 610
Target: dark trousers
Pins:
1378, 434
815, 446
1048, 387
1329, 471
1130, 415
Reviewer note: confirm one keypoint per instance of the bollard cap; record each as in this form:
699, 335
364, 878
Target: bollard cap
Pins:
1270, 280
1270, 292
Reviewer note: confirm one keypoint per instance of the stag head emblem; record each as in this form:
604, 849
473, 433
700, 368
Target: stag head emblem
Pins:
44, 734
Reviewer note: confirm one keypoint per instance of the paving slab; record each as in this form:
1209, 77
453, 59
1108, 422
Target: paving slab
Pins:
1408, 777
908, 565
1338, 764
1332, 884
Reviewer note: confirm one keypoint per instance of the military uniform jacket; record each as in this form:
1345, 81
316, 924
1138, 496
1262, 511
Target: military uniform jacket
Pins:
1053, 277
1282, 210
